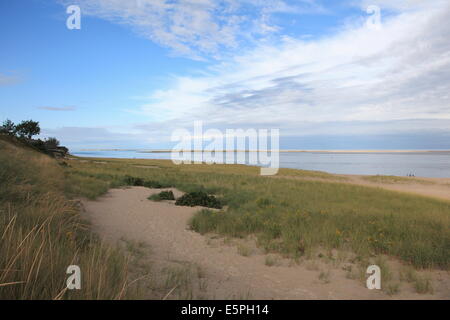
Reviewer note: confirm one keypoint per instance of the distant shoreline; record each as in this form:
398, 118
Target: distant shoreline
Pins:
293, 151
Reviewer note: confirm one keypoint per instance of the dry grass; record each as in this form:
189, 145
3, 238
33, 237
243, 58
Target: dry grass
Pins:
41, 234
396, 180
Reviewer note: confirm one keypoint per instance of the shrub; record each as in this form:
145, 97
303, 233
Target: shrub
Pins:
198, 198
164, 195
51, 143
133, 181
8, 127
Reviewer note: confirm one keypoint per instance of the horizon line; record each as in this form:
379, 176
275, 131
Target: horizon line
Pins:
279, 150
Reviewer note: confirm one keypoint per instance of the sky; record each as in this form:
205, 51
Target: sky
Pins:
327, 73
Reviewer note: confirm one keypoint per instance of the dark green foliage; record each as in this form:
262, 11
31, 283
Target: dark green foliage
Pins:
28, 129
164, 195
199, 198
133, 181
38, 144
51, 143
8, 127
24, 132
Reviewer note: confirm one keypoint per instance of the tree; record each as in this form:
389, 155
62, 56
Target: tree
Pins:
28, 129
51, 143
8, 127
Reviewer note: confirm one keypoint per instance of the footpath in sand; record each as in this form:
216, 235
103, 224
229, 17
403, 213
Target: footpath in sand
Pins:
223, 273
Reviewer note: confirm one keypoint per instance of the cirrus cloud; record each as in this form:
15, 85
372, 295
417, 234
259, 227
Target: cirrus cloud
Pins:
199, 29
68, 108
397, 73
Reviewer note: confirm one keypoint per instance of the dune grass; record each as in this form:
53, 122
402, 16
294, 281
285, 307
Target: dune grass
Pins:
41, 234
290, 216
163, 195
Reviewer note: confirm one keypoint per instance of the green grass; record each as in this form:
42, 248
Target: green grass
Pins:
294, 216
41, 233
309, 174
164, 195
198, 198
421, 283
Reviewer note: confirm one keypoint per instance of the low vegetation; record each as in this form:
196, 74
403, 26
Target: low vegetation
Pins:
164, 195
293, 216
270, 260
24, 132
198, 198
136, 181
396, 180
42, 234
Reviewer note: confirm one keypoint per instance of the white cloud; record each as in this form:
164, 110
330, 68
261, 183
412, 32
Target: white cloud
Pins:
197, 28
356, 81
398, 73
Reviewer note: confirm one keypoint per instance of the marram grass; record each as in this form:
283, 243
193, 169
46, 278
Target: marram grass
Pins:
292, 216
41, 234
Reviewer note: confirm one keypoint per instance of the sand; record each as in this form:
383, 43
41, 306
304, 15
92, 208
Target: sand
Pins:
225, 274
438, 188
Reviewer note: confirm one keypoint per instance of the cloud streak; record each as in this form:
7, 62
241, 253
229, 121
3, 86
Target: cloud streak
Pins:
9, 79
198, 29
68, 108
399, 73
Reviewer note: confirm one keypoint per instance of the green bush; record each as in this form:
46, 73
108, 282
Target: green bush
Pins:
133, 181
164, 195
198, 198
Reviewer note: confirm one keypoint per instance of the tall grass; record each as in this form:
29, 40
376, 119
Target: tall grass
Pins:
293, 216
41, 234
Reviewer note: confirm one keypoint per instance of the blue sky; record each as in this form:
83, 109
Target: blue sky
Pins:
317, 70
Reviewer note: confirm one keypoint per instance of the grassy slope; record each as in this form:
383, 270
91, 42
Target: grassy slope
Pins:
42, 234
294, 217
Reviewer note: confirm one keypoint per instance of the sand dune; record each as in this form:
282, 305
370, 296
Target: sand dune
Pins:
126, 213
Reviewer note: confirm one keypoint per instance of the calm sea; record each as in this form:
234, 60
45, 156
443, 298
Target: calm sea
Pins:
433, 164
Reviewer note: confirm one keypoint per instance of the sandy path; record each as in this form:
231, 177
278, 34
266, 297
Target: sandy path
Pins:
438, 188
163, 226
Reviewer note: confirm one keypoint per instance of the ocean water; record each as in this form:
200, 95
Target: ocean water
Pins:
420, 164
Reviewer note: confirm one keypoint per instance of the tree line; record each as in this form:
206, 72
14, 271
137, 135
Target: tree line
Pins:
25, 131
